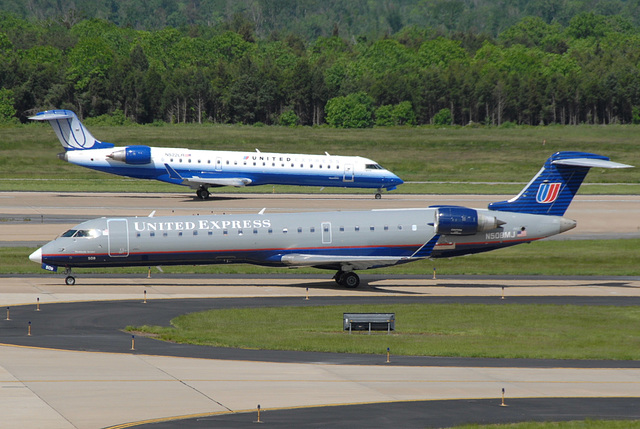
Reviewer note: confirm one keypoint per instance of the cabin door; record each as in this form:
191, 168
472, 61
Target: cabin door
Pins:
118, 237
348, 173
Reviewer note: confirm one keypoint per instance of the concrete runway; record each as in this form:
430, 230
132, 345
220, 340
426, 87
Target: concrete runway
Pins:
77, 369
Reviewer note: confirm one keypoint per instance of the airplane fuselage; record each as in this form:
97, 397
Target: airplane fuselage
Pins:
285, 239
260, 168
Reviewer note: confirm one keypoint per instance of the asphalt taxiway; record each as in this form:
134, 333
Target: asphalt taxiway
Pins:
77, 369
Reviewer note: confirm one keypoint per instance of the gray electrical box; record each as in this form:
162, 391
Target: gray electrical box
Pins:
369, 322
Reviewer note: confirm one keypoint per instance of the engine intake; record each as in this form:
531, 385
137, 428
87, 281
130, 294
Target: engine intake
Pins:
132, 155
454, 220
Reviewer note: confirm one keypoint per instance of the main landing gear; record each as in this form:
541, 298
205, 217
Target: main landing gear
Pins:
348, 279
203, 193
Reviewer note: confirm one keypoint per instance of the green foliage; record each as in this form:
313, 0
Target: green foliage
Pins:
7, 111
400, 114
576, 65
116, 118
352, 111
288, 118
635, 115
443, 117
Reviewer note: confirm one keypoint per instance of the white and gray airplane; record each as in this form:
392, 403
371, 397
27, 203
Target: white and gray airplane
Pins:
204, 169
340, 241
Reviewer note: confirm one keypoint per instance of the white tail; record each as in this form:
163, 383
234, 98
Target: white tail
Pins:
70, 131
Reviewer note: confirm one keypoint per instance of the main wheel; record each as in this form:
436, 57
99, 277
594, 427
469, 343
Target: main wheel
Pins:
378, 196
203, 194
350, 280
70, 280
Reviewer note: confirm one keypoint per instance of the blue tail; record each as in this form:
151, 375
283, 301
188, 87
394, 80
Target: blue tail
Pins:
70, 131
551, 191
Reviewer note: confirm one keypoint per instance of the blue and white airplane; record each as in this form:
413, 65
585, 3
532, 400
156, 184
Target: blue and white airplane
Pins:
339, 241
204, 169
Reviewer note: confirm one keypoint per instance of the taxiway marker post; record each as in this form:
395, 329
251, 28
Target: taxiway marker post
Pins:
38, 304
258, 421
502, 293
503, 404
149, 273
133, 342
307, 298
29, 331
145, 297
434, 273
8, 318
388, 355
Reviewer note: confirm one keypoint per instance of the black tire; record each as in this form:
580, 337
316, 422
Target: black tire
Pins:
70, 280
350, 280
378, 196
203, 194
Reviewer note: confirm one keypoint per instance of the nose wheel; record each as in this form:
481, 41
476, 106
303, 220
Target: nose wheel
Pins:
70, 280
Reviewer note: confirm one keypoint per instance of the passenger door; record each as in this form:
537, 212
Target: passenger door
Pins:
118, 237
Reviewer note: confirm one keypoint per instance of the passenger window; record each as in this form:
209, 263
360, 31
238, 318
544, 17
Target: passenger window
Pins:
152, 234
210, 232
195, 232
372, 228
299, 230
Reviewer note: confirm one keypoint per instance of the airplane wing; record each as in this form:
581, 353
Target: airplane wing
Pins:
351, 262
195, 181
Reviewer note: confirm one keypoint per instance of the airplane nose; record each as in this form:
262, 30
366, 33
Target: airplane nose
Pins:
36, 256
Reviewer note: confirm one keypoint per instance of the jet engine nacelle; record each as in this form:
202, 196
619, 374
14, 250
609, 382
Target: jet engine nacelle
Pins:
132, 155
463, 221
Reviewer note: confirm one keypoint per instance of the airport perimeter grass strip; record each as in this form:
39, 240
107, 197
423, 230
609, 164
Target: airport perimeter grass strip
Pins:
575, 424
461, 330
416, 154
555, 257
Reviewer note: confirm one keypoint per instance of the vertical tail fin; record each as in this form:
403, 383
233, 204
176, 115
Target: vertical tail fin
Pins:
551, 191
70, 131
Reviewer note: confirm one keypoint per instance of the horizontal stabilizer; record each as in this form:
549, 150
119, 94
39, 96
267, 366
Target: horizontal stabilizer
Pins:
591, 162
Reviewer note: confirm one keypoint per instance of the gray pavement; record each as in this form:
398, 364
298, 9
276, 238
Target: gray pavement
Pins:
77, 369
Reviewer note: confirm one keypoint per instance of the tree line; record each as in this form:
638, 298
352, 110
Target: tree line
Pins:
533, 73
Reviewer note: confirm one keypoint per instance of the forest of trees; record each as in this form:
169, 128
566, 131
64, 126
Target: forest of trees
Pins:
239, 67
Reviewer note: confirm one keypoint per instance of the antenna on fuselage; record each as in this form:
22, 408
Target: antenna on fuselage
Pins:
262, 211
152, 213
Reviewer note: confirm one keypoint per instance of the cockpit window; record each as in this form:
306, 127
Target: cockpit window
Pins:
69, 233
89, 233
373, 167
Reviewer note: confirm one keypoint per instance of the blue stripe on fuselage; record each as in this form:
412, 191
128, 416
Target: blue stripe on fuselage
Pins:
305, 179
208, 257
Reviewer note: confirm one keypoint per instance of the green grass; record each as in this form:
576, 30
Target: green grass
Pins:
424, 154
472, 330
570, 257
577, 424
